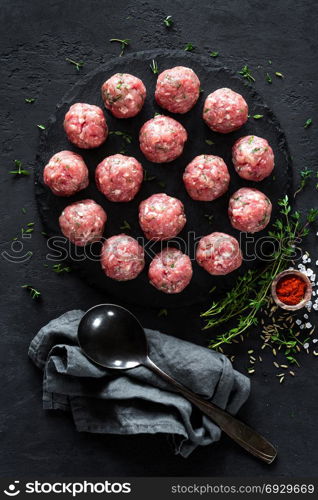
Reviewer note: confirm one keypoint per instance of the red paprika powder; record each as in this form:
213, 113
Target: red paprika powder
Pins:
291, 290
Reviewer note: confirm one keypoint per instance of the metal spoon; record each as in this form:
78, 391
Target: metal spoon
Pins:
112, 337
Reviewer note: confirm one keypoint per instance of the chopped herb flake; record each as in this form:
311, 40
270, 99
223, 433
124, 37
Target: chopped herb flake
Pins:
41, 127
189, 47
308, 123
154, 67
246, 73
168, 21
257, 117
29, 100
214, 54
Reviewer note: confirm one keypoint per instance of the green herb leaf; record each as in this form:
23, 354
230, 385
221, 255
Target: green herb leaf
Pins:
126, 225
246, 73
41, 127
168, 21
59, 268
214, 54
29, 100
268, 78
209, 142
258, 117
163, 312
154, 67
19, 170
189, 47
147, 177
308, 123
279, 75
35, 294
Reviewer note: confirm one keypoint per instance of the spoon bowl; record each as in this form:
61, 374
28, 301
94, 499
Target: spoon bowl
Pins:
112, 337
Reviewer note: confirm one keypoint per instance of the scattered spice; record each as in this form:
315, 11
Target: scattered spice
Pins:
59, 268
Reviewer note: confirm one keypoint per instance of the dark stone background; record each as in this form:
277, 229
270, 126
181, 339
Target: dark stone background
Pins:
35, 38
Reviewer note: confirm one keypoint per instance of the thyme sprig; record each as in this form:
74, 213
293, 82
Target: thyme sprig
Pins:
246, 73
35, 294
78, 64
19, 170
154, 67
123, 44
305, 176
250, 293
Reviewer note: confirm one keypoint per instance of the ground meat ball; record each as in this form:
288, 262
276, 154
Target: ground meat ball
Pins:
253, 158
249, 210
119, 177
124, 95
206, 178
161, 217
177, 89
162, 139
66, 173
122, 258
225, 111
219, 253
83, 222
85, 125
170, 271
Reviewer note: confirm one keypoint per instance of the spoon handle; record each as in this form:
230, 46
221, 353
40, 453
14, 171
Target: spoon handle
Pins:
241, 433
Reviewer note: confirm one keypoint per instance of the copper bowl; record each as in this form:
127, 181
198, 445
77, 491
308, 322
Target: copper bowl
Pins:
307, 296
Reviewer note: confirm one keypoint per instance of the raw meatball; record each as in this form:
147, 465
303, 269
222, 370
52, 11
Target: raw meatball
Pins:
161, 217
66, 173
206, 178
124, 95
119, 177
225, 111
85, 125
249, 210
253, 158
122, 258
83, 222
170, 271
177, 89
219, 253
162, 139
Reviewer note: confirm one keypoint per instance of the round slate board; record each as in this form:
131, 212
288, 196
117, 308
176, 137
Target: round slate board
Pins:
168, 177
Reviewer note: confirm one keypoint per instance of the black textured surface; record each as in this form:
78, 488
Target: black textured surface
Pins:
35, 39
211, 76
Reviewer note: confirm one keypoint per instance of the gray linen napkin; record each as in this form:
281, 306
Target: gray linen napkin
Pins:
136, 401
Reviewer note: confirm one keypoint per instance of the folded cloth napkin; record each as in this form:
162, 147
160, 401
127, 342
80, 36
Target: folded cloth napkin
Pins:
136, 401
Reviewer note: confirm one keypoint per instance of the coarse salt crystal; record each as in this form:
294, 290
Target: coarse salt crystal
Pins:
306, 345
309, 272
315, 341
308, 325
298, 322
306, 316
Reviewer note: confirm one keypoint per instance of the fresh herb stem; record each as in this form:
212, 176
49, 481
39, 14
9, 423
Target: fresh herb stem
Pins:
123, 44
19, 170
251, 291
246, 73
305, 176
168, 21
77, 64
154, 67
